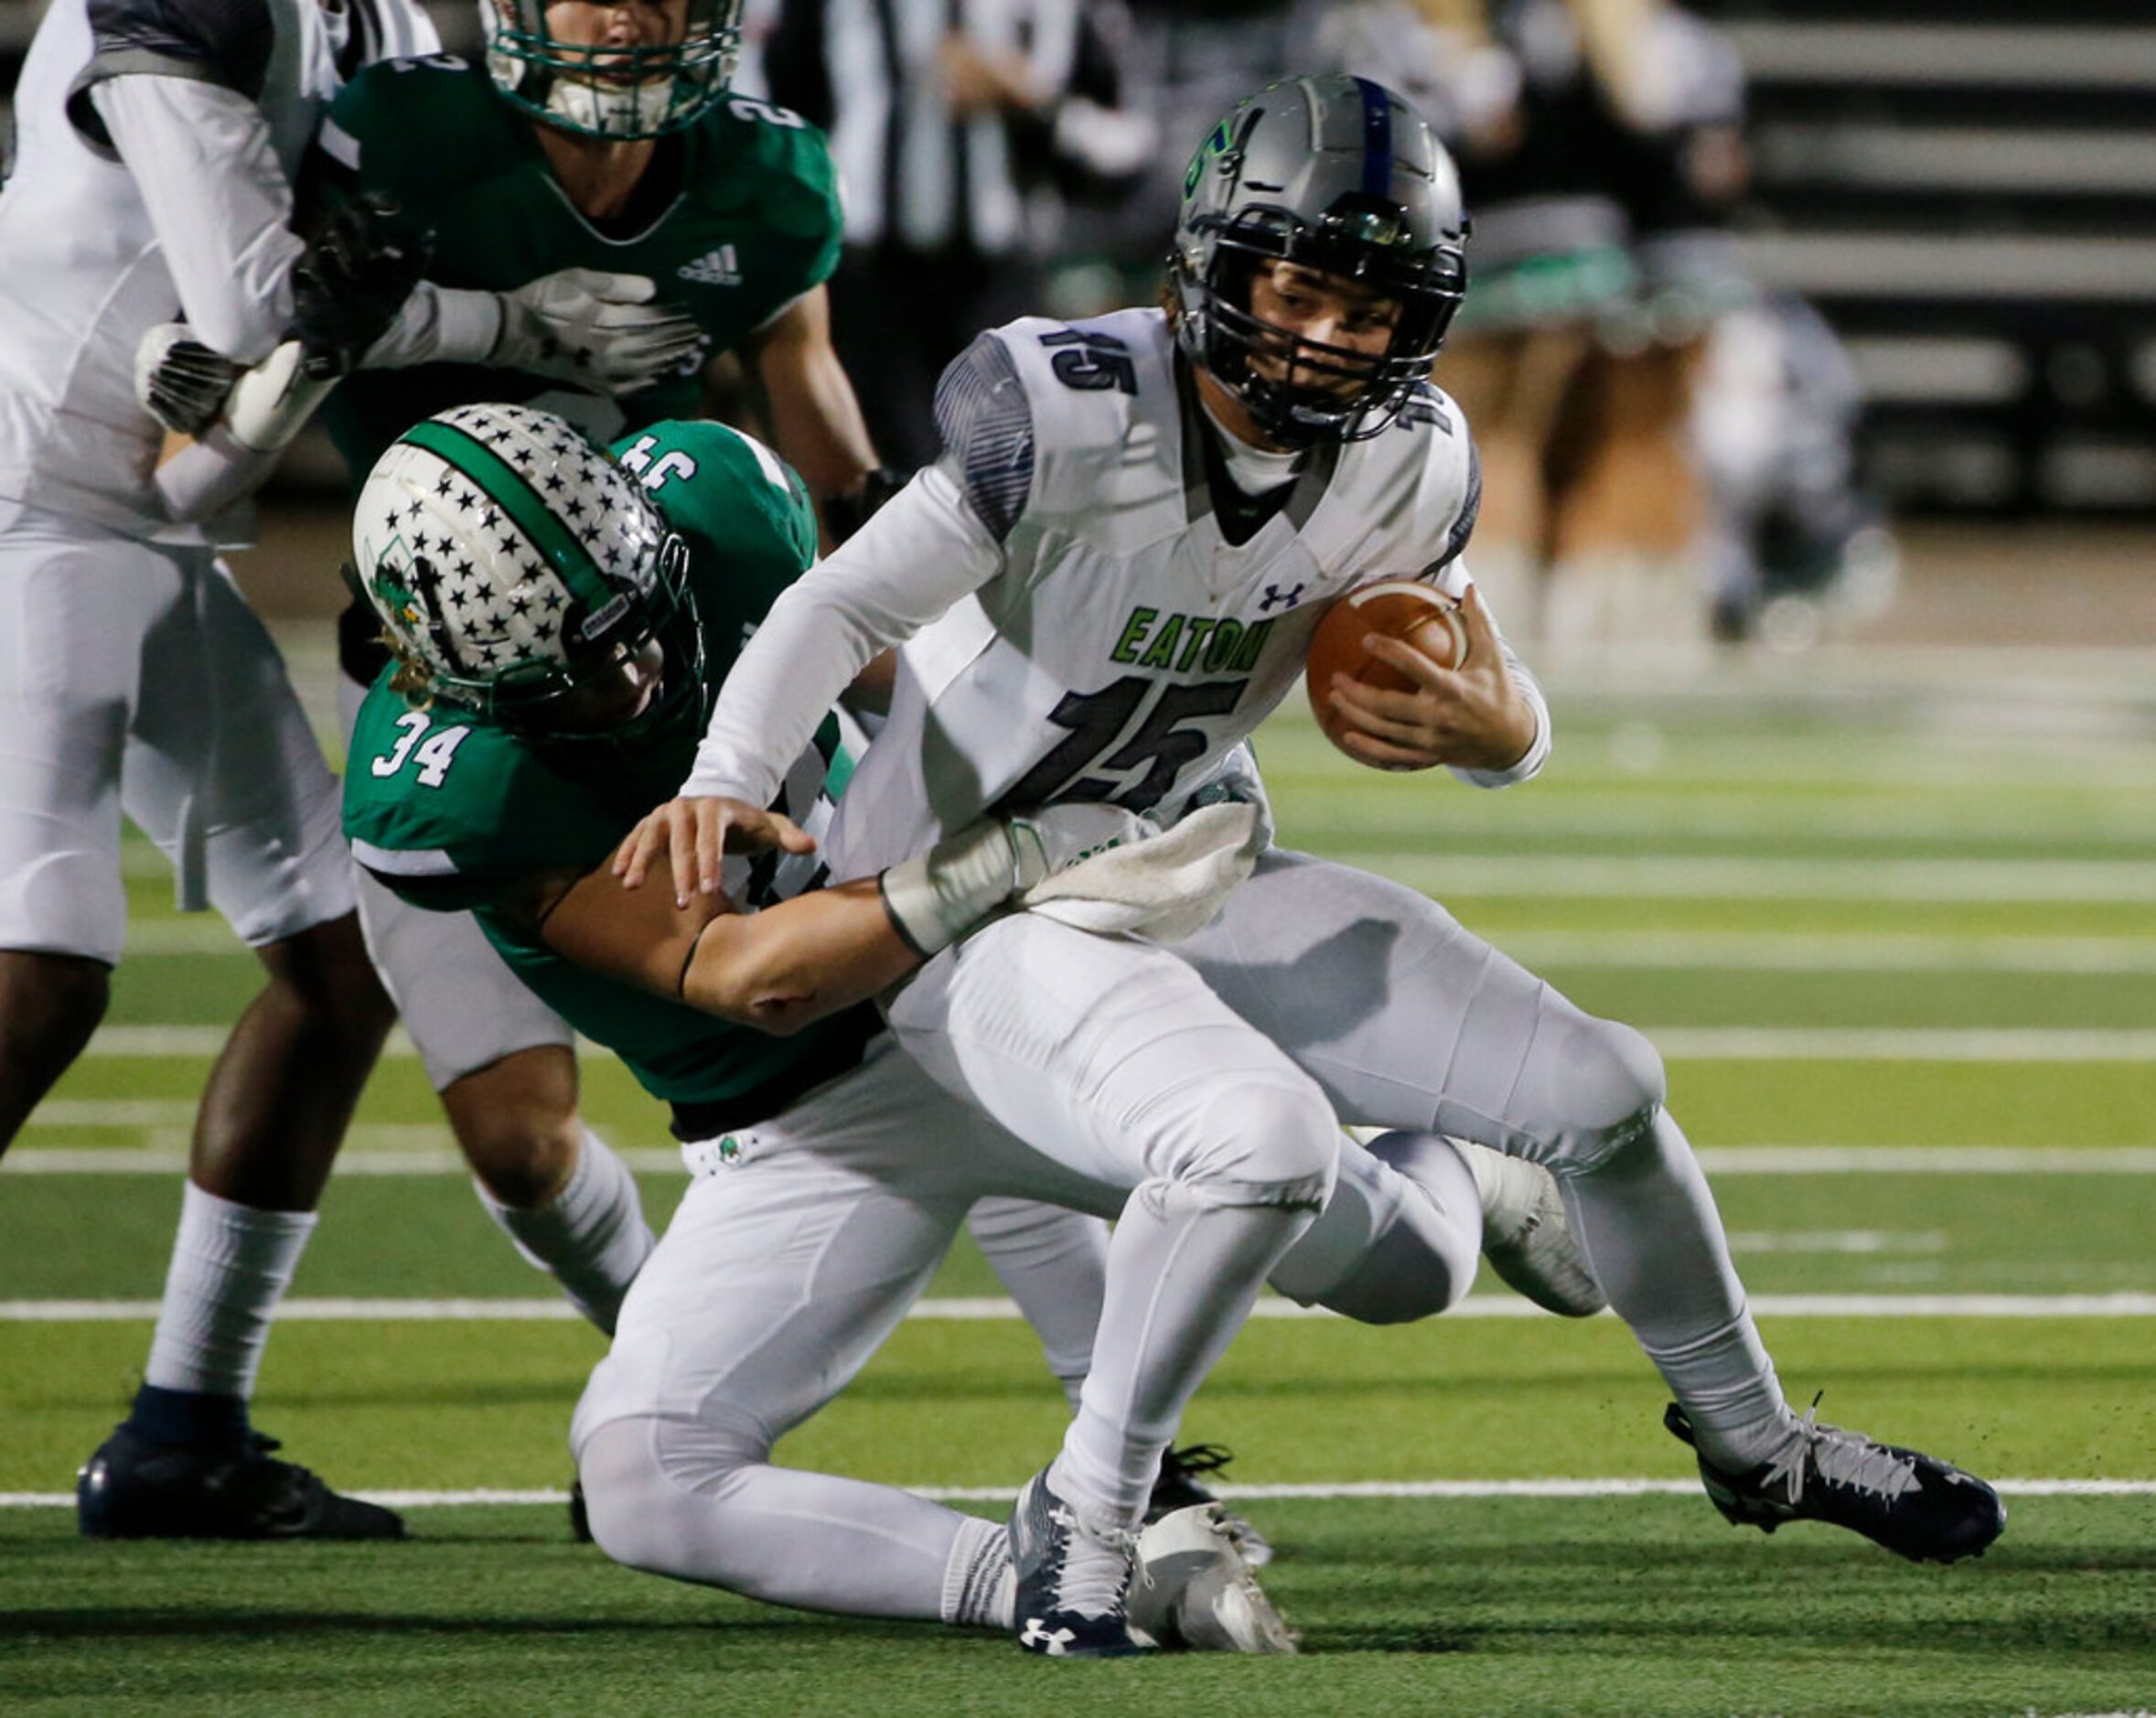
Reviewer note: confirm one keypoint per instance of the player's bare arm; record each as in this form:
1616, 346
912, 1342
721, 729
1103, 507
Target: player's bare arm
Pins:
776, 971
1472, 717
815, 420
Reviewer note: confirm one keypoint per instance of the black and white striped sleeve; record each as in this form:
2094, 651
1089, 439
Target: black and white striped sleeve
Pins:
986, 422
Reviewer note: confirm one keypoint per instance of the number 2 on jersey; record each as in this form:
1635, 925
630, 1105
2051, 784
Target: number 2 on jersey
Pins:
433, 752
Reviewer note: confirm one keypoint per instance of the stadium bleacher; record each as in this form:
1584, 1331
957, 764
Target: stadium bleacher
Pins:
1969, 193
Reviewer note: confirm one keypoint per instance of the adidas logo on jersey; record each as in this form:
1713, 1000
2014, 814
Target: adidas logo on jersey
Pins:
714, 268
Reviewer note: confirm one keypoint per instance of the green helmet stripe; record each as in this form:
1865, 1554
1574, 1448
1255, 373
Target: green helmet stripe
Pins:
512, 492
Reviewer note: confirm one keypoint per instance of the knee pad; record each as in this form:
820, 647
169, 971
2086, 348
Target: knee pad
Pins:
655, 1489
1601, 1083
1268, 1144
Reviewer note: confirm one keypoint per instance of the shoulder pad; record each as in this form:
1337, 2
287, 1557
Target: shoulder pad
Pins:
409, 125
1086, 387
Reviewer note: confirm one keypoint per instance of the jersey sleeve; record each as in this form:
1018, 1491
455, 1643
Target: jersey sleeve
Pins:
448, 813
1448, 495
730, 493
797, 204
985, 418
222, 42
396, 129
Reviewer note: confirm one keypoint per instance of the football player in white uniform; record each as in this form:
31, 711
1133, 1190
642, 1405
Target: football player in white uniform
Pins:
159, 141
1106, 583
830, 1172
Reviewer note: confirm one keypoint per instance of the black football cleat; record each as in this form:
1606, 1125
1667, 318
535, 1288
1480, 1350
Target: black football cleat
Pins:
135, 1489
1074, 1580
580, 1515
1181, 1486
1916, 1505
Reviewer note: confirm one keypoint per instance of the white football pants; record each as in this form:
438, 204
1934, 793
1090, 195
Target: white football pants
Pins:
799, 1248
134, 677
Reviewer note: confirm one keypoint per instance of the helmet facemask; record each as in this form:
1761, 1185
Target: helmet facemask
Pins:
617, 92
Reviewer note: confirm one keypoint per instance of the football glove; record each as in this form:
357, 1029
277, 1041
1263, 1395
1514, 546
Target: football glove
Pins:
599, 330
347, 288
180, 382
936, 898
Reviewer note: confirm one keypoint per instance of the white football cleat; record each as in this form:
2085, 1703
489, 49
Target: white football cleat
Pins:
1194, 1592
1525, 1235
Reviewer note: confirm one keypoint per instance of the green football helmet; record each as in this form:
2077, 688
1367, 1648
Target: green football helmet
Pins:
612, 91
514, 564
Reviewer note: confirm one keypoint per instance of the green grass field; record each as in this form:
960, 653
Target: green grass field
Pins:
1898, 944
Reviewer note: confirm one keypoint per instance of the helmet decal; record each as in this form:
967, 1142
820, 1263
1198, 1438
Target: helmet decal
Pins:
511, 560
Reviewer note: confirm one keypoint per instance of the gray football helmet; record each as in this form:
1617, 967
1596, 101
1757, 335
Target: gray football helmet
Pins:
1338, 173
615, 92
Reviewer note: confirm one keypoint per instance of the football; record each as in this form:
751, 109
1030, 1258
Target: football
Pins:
1418, 614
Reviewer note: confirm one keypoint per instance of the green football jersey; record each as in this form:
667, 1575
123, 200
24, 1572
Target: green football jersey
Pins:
450, 810
744, 220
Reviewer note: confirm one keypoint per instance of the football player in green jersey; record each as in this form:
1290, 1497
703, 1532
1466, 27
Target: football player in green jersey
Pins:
600, 138
560, 622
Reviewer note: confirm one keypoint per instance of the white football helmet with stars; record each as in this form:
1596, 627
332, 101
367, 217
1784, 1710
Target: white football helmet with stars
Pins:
510, 560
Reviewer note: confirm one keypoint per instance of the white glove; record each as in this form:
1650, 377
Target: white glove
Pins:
599, 330
936, 898
180, 382
1164, 886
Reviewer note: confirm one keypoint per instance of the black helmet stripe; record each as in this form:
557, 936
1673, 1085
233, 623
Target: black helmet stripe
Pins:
1377, 138
512, 491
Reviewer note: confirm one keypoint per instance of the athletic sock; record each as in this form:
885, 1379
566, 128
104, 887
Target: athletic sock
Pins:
590, 1238
1053, 1262
1182, 1275
1647, 1223
230, 1265
980, 1583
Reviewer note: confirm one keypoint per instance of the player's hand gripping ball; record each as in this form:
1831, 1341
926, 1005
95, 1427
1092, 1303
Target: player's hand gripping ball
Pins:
1418, 614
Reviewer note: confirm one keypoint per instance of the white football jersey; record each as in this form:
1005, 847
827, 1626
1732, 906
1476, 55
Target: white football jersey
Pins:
1127, 643
82, 274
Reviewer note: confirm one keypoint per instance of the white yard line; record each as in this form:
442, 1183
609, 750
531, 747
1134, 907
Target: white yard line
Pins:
1665, 876
1720, 1160
1901, 1043
991, 1309
1769, 951
1854, 1044
1323, 1491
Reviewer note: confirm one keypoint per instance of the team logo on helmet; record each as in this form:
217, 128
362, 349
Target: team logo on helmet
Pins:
1340, 176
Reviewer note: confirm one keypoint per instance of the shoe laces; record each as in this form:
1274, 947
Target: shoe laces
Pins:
1847, 1459
1098, 1563
1194, 1459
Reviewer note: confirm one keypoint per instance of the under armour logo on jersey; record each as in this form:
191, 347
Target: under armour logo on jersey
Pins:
1039, 1637
714, 268
1286, 599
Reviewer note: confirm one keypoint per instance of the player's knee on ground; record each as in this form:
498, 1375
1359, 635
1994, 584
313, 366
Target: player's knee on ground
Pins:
1399, 1239
1592, 1087
655, 1489
1263, 1142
